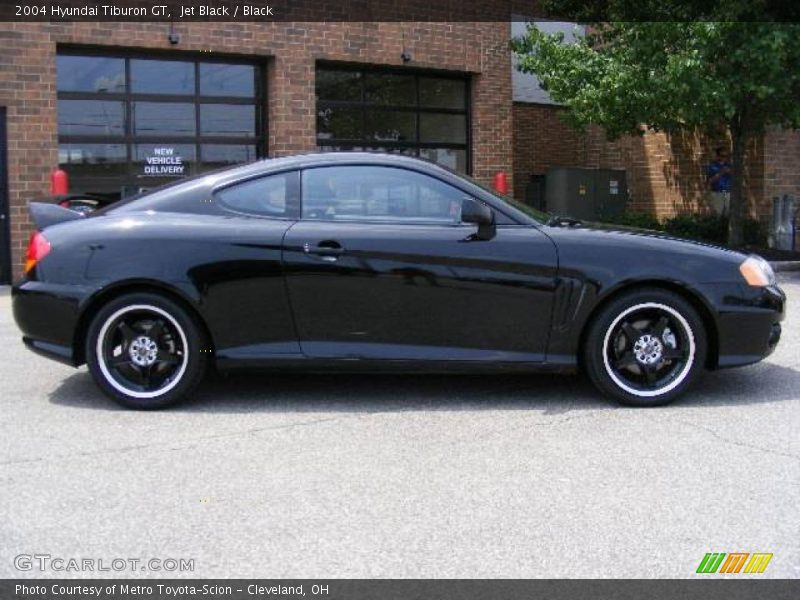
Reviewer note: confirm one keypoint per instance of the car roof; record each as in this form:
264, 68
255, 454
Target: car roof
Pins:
320, 159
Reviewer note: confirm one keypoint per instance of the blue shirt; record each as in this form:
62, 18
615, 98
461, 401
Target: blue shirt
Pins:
723, 184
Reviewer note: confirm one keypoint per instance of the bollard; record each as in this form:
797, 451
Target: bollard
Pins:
501, 182
59, 182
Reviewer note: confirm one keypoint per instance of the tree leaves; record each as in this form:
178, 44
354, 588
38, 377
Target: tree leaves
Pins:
673, 75
670, 75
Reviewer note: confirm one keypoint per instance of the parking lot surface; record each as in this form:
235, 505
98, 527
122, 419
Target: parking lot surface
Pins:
401, 476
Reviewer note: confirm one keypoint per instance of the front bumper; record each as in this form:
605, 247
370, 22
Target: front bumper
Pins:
748, 322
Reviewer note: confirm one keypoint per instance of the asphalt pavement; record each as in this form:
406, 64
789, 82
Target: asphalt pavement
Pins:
399, 476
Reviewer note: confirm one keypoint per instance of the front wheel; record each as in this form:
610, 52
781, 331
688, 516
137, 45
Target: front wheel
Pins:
145, 351
645, 348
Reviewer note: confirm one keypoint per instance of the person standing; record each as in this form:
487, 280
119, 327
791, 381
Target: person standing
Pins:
718, 175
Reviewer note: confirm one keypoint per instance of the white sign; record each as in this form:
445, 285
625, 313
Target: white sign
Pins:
164, 162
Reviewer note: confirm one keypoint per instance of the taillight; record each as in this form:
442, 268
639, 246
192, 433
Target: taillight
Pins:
38, 248
64, 203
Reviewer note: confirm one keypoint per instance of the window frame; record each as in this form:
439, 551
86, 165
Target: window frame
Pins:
363, 107
129, 98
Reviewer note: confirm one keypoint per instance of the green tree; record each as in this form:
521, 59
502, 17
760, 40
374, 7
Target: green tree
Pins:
670, 75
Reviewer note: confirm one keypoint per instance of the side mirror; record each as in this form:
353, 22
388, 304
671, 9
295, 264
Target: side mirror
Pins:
473, 211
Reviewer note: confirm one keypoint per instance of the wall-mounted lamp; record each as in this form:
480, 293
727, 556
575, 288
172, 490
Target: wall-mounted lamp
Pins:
405, 55
173, 36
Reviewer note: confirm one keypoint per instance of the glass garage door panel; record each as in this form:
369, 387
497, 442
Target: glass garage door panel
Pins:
164, 118
223, 79
95, 74
391, 126
389, 89
94, 159
448, 157
162, 77
419, 114
435, 92
128, 123
91, 117
232, 120
217, 156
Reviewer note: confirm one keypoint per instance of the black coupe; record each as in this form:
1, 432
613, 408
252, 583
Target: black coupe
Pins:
350, 261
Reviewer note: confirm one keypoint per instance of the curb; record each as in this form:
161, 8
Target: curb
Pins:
780, 266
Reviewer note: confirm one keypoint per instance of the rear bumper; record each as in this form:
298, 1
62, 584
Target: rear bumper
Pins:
748, 322
47, 315
63, 354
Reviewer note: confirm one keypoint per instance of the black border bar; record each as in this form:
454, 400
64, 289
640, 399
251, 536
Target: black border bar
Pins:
180, 11
733, 588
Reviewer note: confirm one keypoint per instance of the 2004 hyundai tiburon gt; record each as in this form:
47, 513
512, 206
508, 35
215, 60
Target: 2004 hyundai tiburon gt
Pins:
377, 262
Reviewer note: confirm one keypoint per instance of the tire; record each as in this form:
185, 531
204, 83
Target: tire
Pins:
645, 348
145, 352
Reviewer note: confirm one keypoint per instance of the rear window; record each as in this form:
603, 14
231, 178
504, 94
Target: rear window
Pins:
264, 196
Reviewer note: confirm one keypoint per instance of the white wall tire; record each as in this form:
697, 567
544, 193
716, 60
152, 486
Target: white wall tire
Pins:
645, 348
145, 351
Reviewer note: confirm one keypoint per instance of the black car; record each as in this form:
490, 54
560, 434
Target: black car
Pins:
350, 261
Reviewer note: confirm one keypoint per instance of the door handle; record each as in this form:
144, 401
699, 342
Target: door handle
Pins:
328, 250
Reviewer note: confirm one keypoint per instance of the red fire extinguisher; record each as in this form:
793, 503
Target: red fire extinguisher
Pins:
59, 182
501, 182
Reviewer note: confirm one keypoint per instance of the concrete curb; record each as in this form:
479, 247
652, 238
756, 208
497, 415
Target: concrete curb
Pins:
785, 265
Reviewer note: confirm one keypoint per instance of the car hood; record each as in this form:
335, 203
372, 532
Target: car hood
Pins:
644, 253
644, 236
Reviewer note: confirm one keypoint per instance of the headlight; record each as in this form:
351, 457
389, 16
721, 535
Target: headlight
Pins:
757, 272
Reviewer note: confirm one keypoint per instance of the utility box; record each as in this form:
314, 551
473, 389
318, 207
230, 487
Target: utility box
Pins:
587, 194
534, 192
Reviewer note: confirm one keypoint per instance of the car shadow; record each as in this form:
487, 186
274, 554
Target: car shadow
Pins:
373, 393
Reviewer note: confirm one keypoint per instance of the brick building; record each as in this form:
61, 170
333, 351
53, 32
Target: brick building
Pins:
666, 174
121, 108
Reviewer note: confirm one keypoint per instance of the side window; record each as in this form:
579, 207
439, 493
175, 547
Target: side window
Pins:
378, 194
265, 196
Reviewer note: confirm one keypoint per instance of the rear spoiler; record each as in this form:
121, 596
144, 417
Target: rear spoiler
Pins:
45, 214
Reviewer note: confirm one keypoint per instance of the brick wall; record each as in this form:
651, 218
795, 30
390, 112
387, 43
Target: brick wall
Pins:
543, 140
665, 173
781, 165
28, 82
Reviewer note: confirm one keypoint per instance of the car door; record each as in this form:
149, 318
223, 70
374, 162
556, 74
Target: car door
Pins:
381, 267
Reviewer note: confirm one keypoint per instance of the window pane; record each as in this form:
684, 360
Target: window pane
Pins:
220, 79
90, 117
338, 85
388, 88
442, 93
455, 159
216, 156
450, 129
228, 119
164, 160
90, 74
162, 77
391, 126
339, 123
378, 194
93, 160
265, 196
163, 118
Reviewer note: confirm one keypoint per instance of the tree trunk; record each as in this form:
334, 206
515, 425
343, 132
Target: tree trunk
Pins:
736, 214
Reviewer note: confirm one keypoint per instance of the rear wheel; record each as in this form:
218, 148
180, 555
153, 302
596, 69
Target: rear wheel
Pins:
145, 351
645, 348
